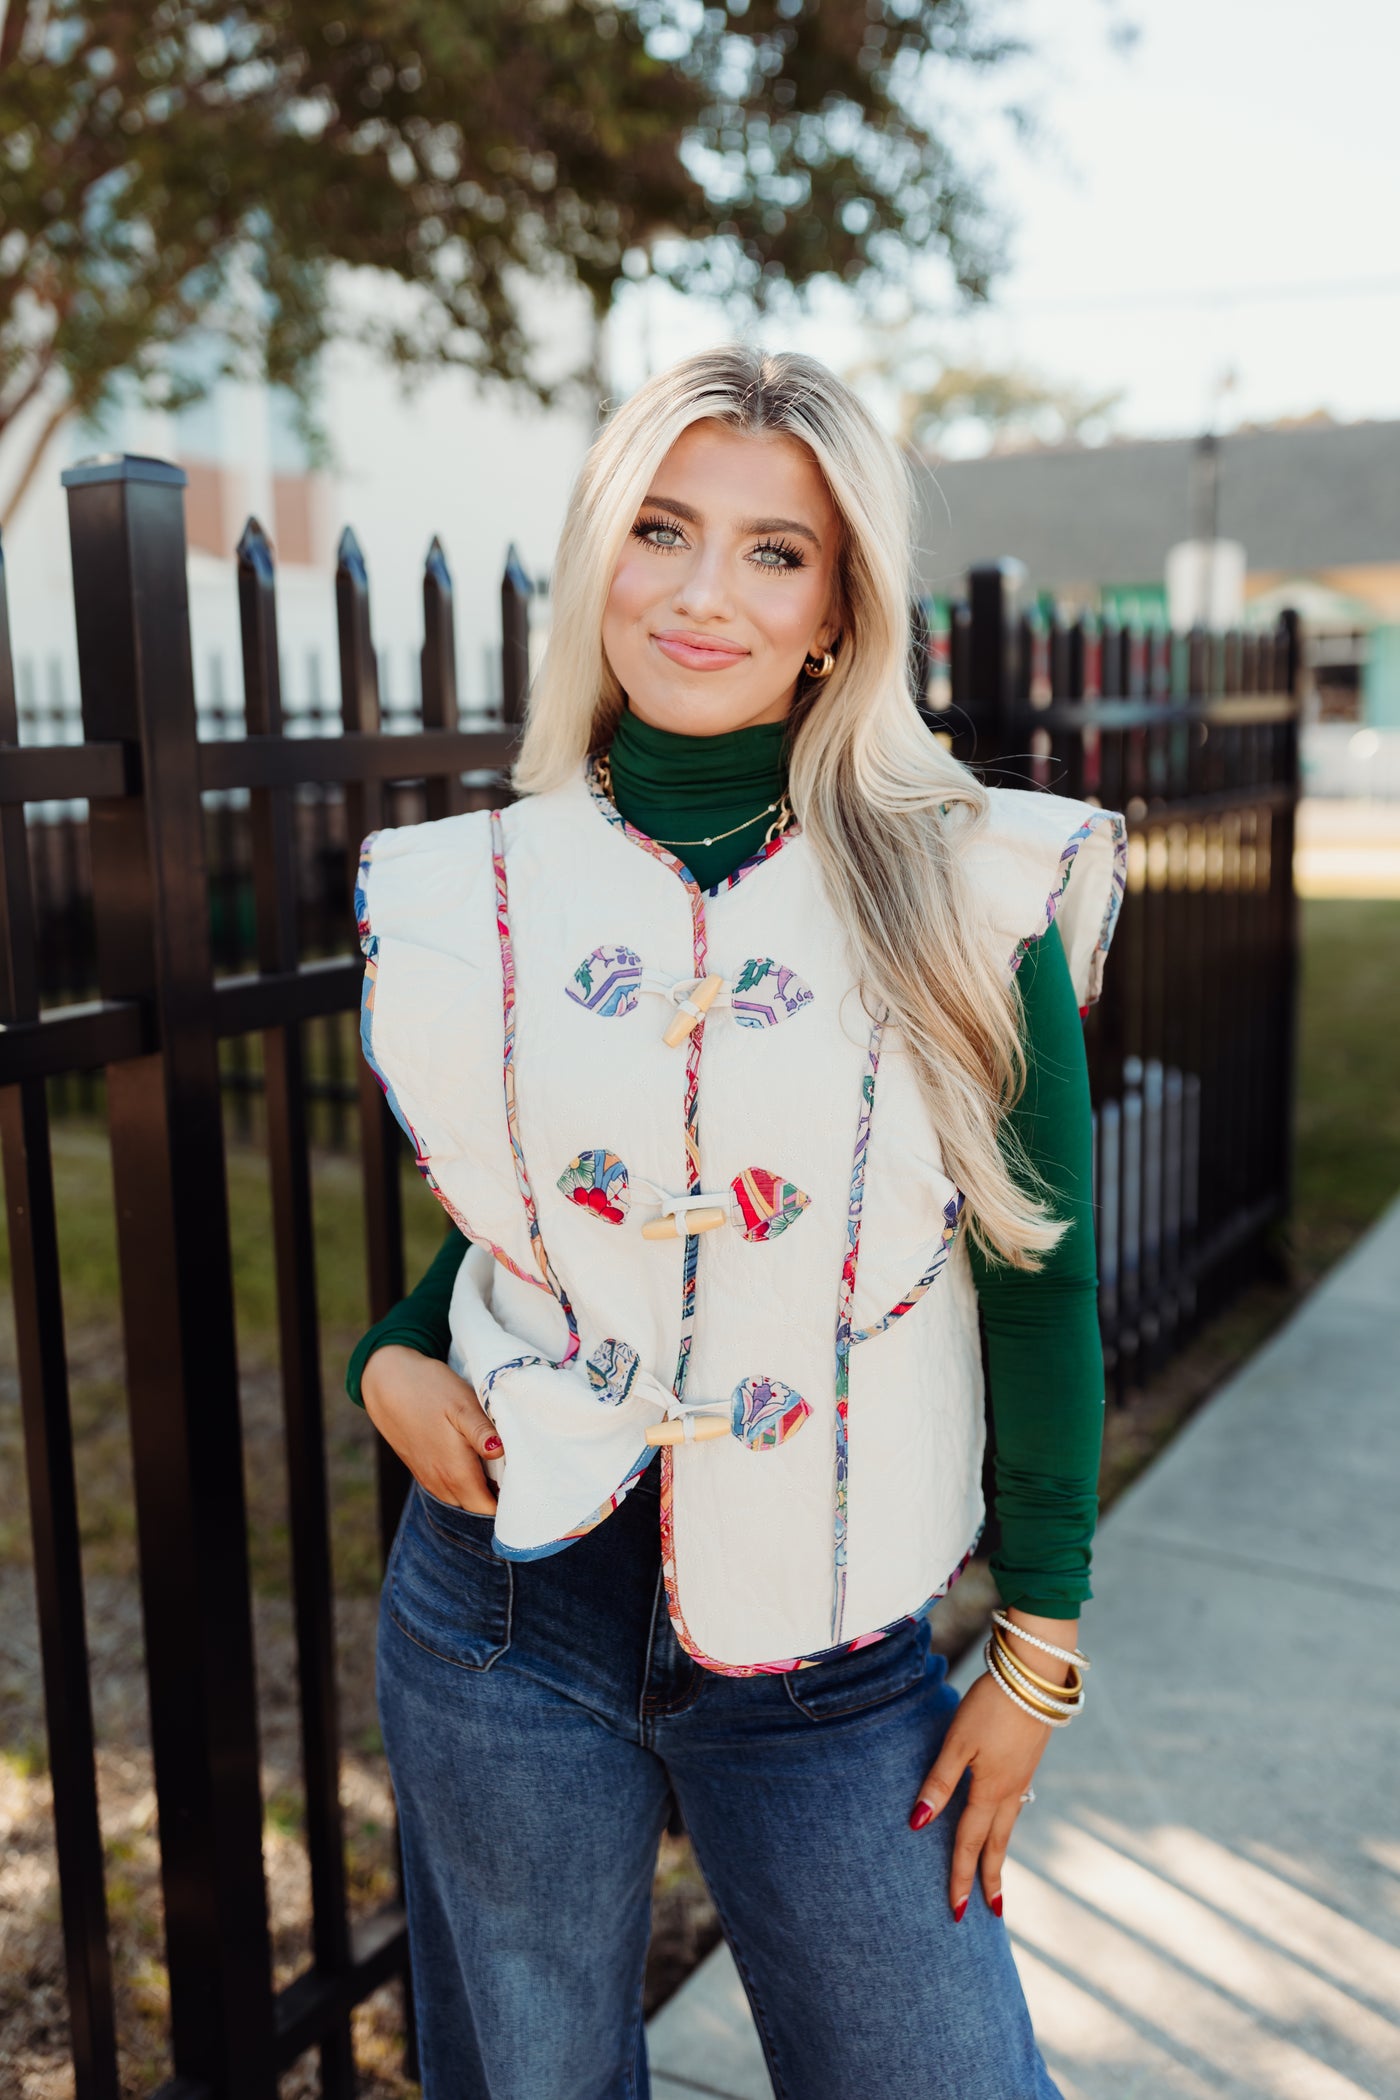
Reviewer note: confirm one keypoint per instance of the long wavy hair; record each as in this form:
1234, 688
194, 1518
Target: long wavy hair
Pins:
883, 805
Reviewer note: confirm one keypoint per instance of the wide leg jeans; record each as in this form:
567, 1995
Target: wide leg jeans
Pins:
539, 1716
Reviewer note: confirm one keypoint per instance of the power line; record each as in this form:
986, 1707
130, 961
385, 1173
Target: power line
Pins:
1224, 295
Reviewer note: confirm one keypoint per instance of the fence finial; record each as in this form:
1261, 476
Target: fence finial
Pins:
516, 592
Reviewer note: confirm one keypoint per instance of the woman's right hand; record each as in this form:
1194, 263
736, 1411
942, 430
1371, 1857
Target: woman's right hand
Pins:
435, 1422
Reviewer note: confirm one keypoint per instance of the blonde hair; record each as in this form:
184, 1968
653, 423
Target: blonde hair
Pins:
878, 797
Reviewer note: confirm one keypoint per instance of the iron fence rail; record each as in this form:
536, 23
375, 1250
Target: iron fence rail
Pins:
1195, 738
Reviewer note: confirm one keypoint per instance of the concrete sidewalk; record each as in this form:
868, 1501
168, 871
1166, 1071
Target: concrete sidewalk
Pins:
1205, 1897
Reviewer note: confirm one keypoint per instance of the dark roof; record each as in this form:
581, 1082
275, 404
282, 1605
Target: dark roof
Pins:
1299, 500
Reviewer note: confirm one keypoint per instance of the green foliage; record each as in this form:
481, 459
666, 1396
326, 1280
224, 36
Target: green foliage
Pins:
208, 163
284, 1811
29, 1761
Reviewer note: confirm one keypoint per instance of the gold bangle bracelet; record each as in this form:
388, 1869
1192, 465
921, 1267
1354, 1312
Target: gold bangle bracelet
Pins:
1072, 1686
1060, 1701
1029, 1702
1050, 1708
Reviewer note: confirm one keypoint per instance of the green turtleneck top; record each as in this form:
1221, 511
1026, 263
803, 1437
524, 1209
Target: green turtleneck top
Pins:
1044, 1361
684, 789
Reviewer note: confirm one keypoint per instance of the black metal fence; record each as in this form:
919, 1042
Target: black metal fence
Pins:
220, 878
1195, 738
154, 1032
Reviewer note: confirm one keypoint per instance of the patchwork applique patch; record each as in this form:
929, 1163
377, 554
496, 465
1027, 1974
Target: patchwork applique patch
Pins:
766, 992
764, 1413
767, 1203
597, 1181
607, 982
611, 1370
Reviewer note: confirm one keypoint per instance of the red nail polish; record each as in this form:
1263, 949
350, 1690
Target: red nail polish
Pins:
996, 1904
494, 1447
958, 1909
922, 1814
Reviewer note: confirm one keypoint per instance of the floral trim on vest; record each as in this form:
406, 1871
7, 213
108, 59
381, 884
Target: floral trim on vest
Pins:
845, 1299
952, 1217
522, 1174
1118, 831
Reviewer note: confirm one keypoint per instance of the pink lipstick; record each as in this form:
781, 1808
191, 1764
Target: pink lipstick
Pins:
698, 652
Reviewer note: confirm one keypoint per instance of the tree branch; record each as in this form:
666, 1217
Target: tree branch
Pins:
11, 36
56, 417
43, 365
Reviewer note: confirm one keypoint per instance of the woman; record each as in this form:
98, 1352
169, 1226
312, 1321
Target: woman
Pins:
716, 1050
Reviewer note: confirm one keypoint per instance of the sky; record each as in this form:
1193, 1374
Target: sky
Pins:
1210, 224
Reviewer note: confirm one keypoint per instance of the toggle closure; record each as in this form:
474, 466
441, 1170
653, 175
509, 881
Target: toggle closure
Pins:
761, 1414
690, 1429
683, 1215
690, 1011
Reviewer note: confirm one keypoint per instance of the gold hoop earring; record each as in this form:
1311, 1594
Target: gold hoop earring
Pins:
823, 668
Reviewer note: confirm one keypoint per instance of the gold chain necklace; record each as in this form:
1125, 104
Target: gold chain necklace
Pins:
775, 830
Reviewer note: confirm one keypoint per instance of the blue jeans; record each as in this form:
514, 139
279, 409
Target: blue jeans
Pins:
538, 1716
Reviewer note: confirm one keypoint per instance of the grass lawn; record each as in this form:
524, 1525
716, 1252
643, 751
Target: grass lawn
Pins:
1348, 1128
1347, 1170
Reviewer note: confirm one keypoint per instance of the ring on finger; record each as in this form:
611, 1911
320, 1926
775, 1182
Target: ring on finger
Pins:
1029, 1794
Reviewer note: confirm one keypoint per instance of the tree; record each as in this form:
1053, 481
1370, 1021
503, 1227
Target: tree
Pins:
1014, 407
209, 163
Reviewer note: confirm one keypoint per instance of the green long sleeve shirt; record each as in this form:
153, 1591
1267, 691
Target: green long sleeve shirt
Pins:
1044, 1360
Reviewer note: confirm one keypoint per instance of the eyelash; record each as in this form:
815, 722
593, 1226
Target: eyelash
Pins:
792, 557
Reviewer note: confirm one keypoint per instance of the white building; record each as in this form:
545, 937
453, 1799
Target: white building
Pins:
481, 470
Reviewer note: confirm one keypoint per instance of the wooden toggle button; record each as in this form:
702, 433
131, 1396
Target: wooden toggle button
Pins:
669, 1227
707, 1427
694, 1010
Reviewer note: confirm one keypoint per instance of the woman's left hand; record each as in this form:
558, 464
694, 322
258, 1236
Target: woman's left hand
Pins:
1001, 1746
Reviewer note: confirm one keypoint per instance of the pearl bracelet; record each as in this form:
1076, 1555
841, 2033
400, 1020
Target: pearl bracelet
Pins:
1068, 1688
1069, 1702
1064, 1655
1048, 1720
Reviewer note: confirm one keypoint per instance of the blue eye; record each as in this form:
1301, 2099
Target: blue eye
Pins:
648, 531
788, 556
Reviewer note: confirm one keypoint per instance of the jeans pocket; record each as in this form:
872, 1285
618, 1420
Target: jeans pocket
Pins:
849, 1684
447, 1590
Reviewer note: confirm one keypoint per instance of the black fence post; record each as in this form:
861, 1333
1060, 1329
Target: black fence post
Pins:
1281, 879
48, 1453
515, 639
379, 1134
126, 522
993, 597
438, 674
294, 1239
